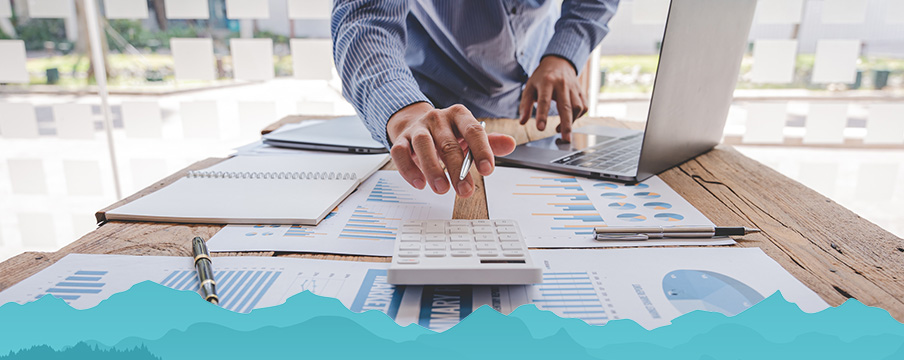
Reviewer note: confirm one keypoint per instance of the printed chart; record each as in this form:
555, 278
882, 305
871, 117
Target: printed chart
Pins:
238, 290
557, 211
364, 224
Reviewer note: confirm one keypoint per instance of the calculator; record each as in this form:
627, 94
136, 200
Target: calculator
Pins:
461, 252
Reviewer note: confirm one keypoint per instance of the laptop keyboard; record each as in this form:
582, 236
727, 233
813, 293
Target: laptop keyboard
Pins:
616, 157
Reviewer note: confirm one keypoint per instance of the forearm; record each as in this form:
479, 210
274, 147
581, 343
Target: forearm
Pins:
580, 29
369, 52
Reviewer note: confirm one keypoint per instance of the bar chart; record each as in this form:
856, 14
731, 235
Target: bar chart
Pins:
367, 224
388, 191
573, 295
564, 205
239, 290
80, 283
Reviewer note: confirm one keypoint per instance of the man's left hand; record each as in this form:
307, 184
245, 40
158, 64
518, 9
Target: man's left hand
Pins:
555, 79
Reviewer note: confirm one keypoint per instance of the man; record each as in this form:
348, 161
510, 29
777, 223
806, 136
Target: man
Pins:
419, 71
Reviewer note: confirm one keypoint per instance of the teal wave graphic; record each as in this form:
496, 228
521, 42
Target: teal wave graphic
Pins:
174, 324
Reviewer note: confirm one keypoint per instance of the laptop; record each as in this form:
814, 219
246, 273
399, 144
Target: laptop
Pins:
701, 53
344, 134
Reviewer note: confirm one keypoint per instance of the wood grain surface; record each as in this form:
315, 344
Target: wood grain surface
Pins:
827, 247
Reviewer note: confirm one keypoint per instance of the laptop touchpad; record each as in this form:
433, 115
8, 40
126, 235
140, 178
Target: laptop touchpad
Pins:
579, 141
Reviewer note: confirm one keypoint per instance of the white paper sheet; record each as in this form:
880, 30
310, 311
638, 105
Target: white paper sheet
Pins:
779, 11
142, 120
126, 9
766, 123
74, 121
186, 9
310, 9
556, 211
364, 224
885, 124
668, 283
83, 178
773, 61
252, 59
27, 176
826, 123
18, 121
200, 119
12, 63
844, 11
247, 9
836, 61
312, 59
50, 9
650, 11
193, 58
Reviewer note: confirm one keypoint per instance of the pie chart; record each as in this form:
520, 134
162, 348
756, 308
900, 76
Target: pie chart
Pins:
658, 205
622, 206
647, 195
690, 290
669, 217
632, 217
613, 195
637, 186
606, 185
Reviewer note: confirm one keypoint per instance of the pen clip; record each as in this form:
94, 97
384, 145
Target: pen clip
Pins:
622, 237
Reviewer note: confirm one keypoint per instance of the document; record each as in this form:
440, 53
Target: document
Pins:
561, 211
648, 286
365, 223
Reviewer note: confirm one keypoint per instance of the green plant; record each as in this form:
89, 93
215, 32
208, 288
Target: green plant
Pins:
35, 32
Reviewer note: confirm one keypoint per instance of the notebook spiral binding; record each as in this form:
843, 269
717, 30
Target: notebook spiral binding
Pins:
298, 175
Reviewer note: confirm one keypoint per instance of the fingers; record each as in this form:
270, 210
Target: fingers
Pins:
579, 102
501, 144
566, 114
450, 151
528, 97
476, 137
544, 98
425, 150
403, 158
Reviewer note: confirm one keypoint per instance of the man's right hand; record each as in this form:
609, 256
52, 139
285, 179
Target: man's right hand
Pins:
424, 138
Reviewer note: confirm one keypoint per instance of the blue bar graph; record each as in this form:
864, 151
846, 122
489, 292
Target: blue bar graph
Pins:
365, 224
80, 283
239, 290
387, 192
571, 294
568, 208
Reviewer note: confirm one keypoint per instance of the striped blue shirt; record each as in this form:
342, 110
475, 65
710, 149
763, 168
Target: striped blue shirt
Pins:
479, 53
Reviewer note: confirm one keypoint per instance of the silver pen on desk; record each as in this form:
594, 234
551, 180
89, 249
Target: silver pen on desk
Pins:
205, 273
640, 233
469, 159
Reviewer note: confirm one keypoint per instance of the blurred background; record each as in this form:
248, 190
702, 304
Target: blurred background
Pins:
86, 119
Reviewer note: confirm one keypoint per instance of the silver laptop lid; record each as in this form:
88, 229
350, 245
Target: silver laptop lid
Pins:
701, 54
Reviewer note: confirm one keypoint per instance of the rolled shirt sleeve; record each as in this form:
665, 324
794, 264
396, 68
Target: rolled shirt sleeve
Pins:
369, 40
581, 27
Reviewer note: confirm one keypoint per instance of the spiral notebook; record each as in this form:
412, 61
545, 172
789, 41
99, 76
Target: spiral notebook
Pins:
256, 190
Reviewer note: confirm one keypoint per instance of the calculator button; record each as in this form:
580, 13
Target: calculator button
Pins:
461, 253
407, 261
505, 222
461, 237
409, 254
483, 230
434, 253
507, 246
506, 230
436, 237
487, 253
483, 222
413, 223
513, 253
508, 237
461, 246
460, 222
431, 246
459, 230
410, 246
485, 237
435, 230
487, 246
411, 230
411, 237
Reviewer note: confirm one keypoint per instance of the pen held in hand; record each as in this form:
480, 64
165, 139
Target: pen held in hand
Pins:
469, 159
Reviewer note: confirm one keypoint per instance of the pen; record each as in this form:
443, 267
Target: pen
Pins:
205, 274
469, 159
640, 233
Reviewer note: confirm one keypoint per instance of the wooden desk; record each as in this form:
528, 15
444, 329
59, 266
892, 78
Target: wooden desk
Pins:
827, 247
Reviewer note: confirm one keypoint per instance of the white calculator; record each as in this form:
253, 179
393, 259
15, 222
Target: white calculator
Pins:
462, 252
